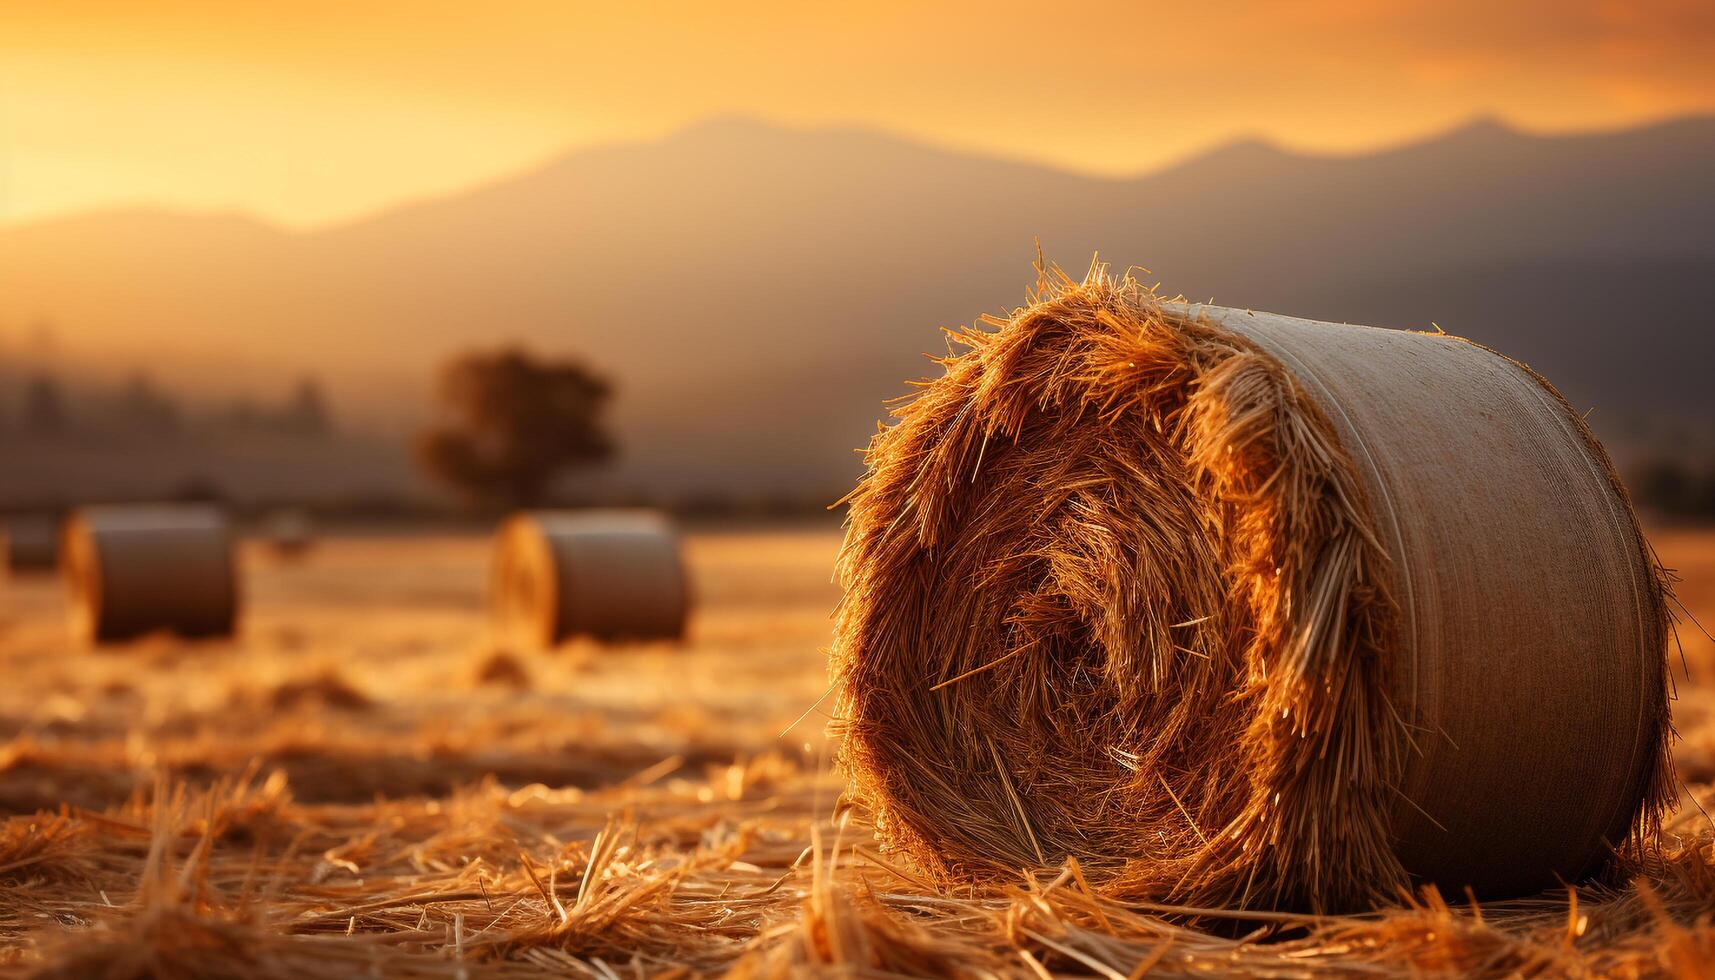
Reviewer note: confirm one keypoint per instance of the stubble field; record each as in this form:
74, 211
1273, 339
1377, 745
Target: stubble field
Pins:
364, 783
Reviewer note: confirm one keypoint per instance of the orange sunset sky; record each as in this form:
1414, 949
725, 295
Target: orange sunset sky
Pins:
310, 112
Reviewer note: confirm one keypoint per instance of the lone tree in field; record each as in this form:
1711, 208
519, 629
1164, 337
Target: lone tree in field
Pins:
514, 423
45, 406
306, 412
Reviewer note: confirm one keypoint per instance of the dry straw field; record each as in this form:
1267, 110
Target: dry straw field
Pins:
365, 784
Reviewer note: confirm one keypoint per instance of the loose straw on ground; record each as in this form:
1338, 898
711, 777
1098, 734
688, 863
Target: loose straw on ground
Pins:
1244, 610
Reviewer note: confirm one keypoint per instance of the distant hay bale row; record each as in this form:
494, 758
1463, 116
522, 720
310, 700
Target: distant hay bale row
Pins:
140, 569
609, 575
1241, 609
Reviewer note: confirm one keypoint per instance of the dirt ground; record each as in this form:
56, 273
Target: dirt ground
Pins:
363, 782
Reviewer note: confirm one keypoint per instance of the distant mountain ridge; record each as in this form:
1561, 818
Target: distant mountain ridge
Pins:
757, 291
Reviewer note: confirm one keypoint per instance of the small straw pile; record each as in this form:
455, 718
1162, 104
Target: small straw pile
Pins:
607, 574
138, 569
1241, 610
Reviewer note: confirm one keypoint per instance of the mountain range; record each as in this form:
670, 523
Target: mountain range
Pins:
758, 291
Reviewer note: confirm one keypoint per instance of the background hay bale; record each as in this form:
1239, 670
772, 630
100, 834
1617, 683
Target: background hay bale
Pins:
607, 574
288, 532
139, 569
29, 542
1240, 609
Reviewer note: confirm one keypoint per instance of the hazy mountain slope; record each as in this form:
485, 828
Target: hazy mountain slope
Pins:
758, 291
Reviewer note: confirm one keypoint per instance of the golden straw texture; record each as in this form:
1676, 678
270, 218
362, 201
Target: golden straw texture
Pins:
1241, 610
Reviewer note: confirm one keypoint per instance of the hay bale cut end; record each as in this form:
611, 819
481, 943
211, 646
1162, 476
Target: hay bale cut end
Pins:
1243, 609
29, 542
138, 569
607, 574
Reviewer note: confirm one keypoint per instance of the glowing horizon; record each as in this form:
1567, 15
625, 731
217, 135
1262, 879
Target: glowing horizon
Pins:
306, 117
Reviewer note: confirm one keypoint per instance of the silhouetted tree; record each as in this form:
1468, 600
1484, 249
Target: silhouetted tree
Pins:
516, 422
242, 413
307, 410
44, 406
143, 406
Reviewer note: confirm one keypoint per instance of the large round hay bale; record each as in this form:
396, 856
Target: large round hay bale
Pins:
29, 542
140, 569
606, 574
1244, 609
